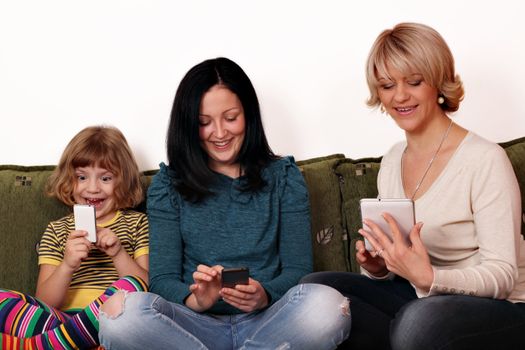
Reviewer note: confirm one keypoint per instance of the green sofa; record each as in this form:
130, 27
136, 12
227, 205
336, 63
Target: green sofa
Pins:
335, 184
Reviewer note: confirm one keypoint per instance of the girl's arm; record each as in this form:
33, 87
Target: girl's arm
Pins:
109, 242
126, 265
53, 281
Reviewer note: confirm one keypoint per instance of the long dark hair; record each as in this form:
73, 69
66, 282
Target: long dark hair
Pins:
185, 154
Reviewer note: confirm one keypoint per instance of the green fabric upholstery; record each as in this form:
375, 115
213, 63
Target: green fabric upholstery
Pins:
24, 214
329, 239
358, 179
335, 185
516, 152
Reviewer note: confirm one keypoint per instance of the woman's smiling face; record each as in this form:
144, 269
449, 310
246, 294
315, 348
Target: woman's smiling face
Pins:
409, 100
222, 129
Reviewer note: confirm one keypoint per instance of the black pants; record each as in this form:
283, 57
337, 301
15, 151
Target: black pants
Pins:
388, 315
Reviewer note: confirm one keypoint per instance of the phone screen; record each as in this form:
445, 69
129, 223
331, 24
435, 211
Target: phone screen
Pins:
233, 276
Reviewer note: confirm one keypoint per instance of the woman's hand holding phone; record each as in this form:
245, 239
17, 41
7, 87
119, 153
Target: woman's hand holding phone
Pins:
246, 297
370, 261
208, 288
408, 260
205, 289
241, 291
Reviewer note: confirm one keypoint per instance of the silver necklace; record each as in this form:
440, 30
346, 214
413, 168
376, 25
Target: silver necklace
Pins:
429, 163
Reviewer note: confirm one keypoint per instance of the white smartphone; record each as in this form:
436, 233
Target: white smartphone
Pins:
402, 210
85, 220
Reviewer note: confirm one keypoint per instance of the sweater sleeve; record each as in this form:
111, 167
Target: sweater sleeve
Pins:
166, 248
496, 208
295, 248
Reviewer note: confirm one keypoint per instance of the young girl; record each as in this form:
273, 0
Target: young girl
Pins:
77, 276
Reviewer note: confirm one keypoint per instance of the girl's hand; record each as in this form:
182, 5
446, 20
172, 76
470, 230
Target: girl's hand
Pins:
108, 242
205, 289
77, 249
247, 298
370, 261
410, 261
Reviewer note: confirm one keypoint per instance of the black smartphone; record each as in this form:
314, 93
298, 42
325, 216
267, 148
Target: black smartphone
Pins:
233, 276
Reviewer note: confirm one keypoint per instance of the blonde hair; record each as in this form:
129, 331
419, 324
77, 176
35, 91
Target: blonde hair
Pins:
410, 48
102, 146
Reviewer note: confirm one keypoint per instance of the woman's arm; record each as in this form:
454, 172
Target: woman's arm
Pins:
166, 247
496, 208
295, 247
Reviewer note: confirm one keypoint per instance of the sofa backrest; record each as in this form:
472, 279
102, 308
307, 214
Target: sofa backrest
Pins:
335, 185
329, 236
24, 215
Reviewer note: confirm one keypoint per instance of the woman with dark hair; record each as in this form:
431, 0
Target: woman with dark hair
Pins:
226, 201
184, 144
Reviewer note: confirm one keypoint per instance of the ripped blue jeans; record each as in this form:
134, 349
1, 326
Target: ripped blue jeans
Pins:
308, 316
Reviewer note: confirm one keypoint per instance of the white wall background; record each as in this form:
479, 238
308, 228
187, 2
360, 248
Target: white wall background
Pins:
67, 64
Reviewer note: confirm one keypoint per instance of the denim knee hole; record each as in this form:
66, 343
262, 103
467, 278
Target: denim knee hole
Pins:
114, 306
345, 307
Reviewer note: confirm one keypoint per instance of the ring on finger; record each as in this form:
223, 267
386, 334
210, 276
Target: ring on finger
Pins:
379, 252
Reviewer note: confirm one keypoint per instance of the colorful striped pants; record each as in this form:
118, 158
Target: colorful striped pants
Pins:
27, 323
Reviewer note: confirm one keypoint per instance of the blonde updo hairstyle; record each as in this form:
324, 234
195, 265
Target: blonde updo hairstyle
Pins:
415, 48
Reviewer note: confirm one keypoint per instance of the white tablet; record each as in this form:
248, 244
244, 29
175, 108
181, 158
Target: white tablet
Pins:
402, 210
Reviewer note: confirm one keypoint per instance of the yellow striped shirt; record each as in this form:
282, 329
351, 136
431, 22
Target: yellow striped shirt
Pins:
97, 272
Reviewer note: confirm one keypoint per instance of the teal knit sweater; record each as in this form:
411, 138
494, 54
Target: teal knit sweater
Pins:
267, 231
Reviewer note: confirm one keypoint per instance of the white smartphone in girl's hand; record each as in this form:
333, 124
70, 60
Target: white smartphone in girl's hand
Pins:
401, 209
85, 220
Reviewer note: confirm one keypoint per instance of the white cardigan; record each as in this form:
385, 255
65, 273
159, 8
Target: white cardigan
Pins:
472, 220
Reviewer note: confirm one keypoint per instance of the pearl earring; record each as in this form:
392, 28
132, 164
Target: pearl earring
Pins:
441, 100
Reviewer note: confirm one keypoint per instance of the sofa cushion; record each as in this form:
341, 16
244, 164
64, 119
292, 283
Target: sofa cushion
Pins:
358, 179
25, 213
329, 239
516, 152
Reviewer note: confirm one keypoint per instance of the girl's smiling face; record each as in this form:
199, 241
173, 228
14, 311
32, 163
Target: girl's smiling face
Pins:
95, 186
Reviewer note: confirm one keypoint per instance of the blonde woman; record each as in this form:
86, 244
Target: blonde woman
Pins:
460, 281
